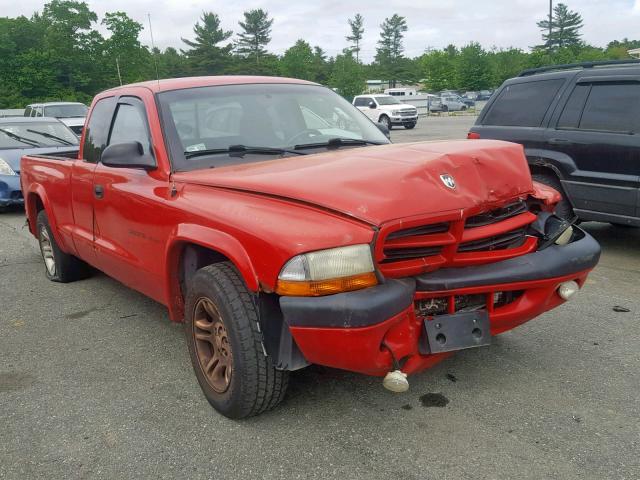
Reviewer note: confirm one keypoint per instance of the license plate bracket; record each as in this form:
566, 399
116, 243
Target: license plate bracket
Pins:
457, 331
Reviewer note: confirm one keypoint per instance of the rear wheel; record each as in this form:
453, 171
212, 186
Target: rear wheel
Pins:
409, 126
59, 266
563, 208
225, 345
445, 108
463, 108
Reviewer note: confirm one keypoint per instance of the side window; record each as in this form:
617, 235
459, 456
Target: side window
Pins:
27, 112
130, 125
362, 102
572, 112
523, 104
612, 107
97, 131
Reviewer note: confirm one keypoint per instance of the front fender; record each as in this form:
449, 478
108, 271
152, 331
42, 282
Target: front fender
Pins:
215, 240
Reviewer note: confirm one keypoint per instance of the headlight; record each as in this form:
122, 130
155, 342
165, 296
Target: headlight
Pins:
5, 168
565, 237
326, 272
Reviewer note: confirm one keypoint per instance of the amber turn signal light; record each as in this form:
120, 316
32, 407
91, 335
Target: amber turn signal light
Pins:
319, 288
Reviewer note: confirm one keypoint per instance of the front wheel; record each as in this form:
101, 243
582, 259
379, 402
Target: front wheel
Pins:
385, 121
409, 126
445, 108
225, 345
59, 266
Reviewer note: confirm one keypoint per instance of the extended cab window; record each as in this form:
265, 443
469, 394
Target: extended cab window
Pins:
612, 107
362, 102
97, 131
130, 125
523, 104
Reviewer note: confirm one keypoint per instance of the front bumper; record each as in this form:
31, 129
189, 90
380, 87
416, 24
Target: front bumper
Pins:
399, 120
348, 330
10, 192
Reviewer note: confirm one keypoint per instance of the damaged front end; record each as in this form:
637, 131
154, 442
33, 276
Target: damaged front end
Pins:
450, 282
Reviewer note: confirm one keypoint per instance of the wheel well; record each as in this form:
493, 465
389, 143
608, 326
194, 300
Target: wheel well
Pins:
539, 166
35, 205
192, 258
383, 115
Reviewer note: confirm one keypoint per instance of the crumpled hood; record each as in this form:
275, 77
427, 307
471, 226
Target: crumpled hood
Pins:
382, 183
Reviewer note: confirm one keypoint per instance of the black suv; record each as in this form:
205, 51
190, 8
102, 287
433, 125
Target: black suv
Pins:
580, 128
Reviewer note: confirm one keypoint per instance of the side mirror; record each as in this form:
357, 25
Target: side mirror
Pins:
372, 104
127, 155
383, 128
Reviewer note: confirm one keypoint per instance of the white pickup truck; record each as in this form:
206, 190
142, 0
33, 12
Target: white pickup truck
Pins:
387, 110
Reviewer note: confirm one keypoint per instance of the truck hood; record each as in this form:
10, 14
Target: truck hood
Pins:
382, 183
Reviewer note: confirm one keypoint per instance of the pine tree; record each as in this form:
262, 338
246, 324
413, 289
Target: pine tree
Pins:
565, 28
390, 48
205, 56
256, 34
357, 31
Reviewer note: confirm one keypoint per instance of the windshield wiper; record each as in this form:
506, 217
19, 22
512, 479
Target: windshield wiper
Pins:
241, 150
52, 137
337, 143
28, 141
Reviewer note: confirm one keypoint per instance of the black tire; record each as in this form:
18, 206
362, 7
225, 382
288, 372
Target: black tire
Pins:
386, 122
445, 108
254, 385
463, 108
59, 266
409, 126
563, 208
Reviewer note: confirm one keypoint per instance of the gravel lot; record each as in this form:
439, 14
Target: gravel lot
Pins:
96, 383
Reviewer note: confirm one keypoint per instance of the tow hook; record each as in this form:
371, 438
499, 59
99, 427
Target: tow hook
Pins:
396, 380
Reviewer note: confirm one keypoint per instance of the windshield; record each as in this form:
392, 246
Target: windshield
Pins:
277, 116
65, 111
35, 134
388, 101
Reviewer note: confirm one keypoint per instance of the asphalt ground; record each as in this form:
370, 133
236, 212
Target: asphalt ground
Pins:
95, 382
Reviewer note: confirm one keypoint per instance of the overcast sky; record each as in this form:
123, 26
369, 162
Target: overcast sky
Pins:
432, 23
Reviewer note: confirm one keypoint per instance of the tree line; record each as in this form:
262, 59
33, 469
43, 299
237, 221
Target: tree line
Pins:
59, 54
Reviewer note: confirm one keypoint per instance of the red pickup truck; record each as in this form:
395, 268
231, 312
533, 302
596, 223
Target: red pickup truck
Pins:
284, 229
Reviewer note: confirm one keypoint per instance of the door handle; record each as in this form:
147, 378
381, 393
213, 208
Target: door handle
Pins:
560, 141
98, 191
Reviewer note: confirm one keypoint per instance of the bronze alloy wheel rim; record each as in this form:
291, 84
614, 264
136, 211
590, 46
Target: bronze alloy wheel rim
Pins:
212, 345
47, 251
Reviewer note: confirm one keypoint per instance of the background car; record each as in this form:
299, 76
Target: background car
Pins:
20, 136
579, 126
72, 114
387, 110
448, 103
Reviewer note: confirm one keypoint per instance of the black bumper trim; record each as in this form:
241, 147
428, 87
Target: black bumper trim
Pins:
554, 261
352, 309
374, 305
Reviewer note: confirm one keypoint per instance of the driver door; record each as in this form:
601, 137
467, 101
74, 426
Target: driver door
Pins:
130, 235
